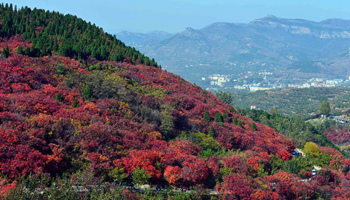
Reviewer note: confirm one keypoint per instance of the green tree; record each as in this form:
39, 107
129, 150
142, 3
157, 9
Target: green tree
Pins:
118, 175
211, 131
276, 164
206, 116
240, 123
218, 117
226, 115
167, 123
5, 52
88, 93
75, 103
59, 97
205, 141
27, 51
274, 111
20, 50
235, 121
225, 96
140, 176
253, 126
292, 166
325, 108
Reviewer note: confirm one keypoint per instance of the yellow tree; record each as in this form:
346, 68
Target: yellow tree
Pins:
311, 149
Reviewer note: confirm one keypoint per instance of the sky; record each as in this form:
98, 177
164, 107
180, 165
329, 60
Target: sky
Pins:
175, 15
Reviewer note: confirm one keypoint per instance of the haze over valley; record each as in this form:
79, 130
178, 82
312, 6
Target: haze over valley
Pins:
270, 52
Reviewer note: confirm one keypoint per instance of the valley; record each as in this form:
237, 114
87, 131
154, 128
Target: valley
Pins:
292, 51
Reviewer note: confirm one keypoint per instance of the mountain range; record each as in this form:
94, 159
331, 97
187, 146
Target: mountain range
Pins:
289, 48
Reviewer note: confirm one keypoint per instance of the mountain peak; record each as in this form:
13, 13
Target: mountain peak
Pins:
271, 16
189, 29
191, 33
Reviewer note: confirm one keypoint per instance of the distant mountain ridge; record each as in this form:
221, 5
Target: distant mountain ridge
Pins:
143, 38
283, 46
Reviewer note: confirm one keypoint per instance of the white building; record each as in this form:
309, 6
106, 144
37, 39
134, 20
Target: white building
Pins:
256, 88
219, 80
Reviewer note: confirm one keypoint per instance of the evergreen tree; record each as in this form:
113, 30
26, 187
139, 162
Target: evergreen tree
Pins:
5, 52
253, 126
225, 97
211, 131
218, 117
75, 103
88, 93
59, 97
235, 121
239, 123
20, 50
206, 116
27, 51
230, 120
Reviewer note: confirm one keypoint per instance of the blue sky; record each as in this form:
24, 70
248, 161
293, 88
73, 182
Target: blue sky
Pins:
175, 15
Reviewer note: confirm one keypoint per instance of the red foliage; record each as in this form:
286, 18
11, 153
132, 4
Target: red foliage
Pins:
6, 188
22, 161
331, 151
287, 186
236, 163
213, 164
98, 163
172, 174
337, 135
126, 194
40, 134
147, 160
185, 147
264, 195
285, 155
236, 186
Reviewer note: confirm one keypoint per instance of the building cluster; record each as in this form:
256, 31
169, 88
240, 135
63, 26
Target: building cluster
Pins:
256, 81
319, 82
219, 80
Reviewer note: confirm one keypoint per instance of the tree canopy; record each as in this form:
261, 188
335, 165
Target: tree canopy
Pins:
325, 108
68, 35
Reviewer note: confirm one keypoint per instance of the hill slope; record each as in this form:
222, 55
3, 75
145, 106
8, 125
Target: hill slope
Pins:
126, 123
66, 34
296, 102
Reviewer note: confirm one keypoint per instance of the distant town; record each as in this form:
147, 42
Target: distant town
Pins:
265, 80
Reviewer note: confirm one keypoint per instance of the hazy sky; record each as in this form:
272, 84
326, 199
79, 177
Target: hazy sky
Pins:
175, 15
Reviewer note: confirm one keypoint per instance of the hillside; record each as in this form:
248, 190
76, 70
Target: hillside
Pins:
296, 102
294, 50
80, 122
65, 34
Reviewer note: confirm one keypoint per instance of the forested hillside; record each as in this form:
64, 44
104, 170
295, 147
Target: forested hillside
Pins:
67, 35
296, 102
86, 128
295, 127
